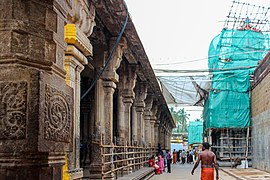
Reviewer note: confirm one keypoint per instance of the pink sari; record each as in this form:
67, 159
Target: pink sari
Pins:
161, 163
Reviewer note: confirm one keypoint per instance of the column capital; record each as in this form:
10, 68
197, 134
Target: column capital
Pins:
140, 96
74, 36
139, 109
109, 85
110, 72
157, 122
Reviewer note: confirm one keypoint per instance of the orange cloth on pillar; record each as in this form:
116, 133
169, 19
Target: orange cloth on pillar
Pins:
207, 174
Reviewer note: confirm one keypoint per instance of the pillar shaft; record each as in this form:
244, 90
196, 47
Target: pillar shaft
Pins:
36, 111
157, 138
134, 126
140, 127
109, 88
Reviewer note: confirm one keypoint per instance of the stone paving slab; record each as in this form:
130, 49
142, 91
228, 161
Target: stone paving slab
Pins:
140, 174
247, 174
182, 172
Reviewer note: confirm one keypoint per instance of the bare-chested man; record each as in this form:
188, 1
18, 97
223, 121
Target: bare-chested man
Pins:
208, 163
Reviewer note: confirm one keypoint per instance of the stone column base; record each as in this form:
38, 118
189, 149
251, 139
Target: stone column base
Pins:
76, 174
35, 166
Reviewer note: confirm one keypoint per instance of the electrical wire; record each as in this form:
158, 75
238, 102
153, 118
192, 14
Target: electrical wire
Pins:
200, 59
110, 56
204, 70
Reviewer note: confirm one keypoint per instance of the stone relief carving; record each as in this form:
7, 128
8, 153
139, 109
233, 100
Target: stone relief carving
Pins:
13, 105
83, 16
57, 121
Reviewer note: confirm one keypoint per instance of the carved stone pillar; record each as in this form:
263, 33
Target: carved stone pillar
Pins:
74, 61
169, 139
147, 118
126, 97
157, 138
147, 129
134, 126
109, 88
162, 138
166, 139
36, 105
140, 95
103, 125
152, 124
110, 77
127, 105
121, 119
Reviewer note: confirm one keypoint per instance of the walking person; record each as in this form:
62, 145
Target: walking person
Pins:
174, 156
183, 156
208, 163
169, 160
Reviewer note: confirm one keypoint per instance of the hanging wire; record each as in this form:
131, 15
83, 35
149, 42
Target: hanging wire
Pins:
110, 56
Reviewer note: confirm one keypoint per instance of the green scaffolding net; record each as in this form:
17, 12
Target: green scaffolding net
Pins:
195, 132
233, 56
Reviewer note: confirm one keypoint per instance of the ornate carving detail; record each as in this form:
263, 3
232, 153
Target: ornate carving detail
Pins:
57, 121
13, 101
83, 16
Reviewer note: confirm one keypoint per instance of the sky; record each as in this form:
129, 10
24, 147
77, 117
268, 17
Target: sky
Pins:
178, 31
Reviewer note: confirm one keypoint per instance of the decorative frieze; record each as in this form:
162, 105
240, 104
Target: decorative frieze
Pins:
13, 106
57, 120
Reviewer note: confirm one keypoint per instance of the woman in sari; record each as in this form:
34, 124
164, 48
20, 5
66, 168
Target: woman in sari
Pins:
161, 163
174, 156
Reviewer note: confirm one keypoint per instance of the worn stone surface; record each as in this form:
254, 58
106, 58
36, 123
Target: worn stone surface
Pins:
36, 120
36, 104
260, 111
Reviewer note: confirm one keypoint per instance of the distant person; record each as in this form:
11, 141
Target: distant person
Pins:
165, 160
183, 156
190, 158
208, 163
196, 154
178, 156
174, 156
151, 161
169, 161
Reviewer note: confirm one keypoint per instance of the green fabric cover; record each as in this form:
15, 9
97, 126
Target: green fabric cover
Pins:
195, 132
232, 58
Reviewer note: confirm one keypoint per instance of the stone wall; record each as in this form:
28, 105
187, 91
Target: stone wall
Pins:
260, 105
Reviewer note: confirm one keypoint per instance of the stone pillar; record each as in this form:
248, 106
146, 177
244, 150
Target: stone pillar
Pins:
140, 95
134, 126
147, 129
127, 105
152, 124
126, 97
109, 88
162, 138
169, 139
157, 138
74, 61
36, 111
147, 118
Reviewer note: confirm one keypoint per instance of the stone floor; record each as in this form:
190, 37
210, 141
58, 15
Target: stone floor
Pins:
248, 174
180, 171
